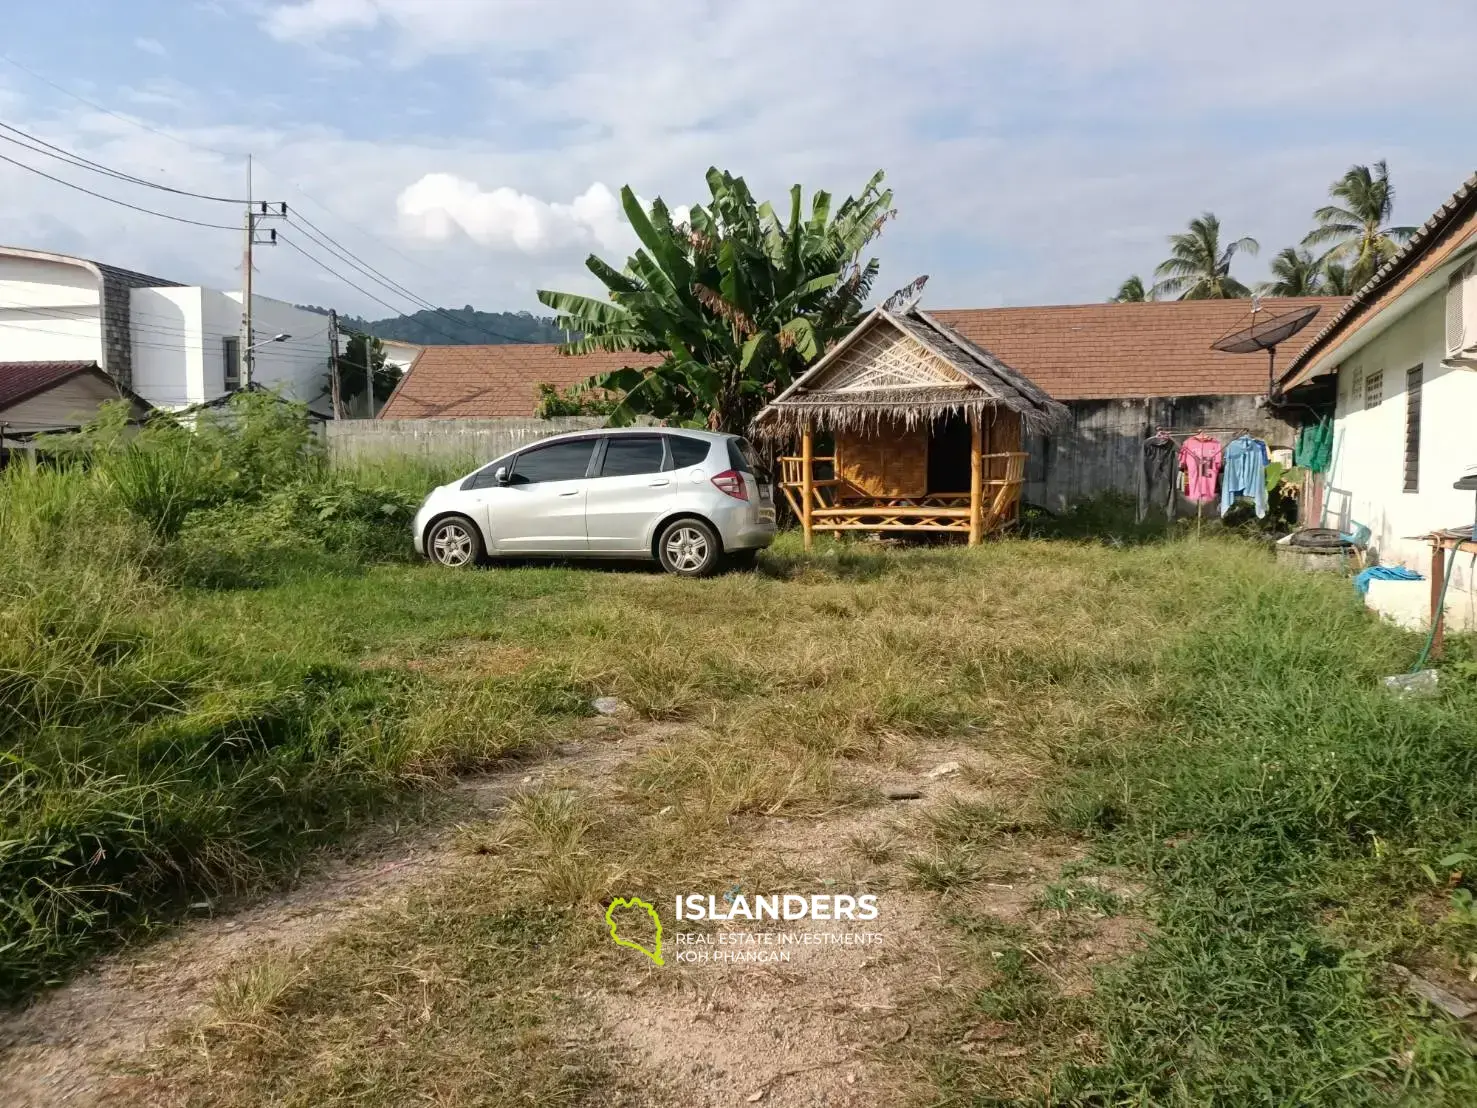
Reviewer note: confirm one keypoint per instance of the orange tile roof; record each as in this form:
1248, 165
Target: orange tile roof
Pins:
481, 382
1073, 351
1102, 351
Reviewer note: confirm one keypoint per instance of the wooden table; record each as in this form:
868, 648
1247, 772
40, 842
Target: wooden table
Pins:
1460, 542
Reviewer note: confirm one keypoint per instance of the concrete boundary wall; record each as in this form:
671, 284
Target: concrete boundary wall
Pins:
470, 440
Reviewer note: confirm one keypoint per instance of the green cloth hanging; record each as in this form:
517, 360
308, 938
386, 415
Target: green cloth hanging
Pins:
1314, 448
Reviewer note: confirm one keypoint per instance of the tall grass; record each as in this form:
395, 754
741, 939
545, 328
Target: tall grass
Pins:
149, 760
1291, 812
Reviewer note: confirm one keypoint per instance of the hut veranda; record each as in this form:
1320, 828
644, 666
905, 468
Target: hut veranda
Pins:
926, 428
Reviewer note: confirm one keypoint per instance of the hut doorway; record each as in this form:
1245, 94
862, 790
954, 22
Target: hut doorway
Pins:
948, 454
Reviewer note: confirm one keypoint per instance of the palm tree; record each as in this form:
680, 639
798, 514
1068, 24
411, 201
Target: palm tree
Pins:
733, 304
1357, 229
1198, 267
1337, 280
1295, 273
1132, 291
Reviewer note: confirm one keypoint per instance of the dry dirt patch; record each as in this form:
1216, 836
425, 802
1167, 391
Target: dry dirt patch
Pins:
68, 1046
840, 1025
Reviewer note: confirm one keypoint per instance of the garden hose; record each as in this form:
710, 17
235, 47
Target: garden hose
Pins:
1439, 611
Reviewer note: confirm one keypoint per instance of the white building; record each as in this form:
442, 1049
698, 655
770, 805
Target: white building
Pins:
174, 345
1400, 360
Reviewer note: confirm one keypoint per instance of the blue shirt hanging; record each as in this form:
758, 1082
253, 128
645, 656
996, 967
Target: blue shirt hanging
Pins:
1245, 473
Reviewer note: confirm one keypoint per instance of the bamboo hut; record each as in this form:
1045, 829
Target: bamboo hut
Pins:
926, 430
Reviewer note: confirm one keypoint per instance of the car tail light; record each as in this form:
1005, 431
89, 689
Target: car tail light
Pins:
731, 481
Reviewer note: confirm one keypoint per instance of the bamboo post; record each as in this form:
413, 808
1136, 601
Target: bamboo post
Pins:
807, 483
976, 478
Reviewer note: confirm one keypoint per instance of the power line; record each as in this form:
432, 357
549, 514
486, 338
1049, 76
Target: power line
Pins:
334, 273
42, 311
306, 226
323, 239
114, 199
109, 111
51, 150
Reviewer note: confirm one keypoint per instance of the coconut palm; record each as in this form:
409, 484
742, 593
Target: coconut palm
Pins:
1132, 291
1199, 267
733, 304
1294, 273
1356, 226
1337, 280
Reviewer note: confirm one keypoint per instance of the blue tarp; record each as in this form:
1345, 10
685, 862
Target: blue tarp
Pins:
1384, 573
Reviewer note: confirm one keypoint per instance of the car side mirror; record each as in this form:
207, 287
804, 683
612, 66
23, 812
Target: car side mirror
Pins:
501, 476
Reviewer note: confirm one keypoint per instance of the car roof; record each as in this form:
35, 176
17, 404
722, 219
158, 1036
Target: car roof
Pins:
710, 436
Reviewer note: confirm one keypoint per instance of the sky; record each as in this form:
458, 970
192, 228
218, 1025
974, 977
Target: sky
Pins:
471, 151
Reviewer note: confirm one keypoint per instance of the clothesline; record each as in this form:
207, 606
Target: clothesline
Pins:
1171, 432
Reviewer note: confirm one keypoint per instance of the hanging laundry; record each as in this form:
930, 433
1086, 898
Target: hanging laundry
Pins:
1314, 448
1246, 474
1157, 477
1200, 458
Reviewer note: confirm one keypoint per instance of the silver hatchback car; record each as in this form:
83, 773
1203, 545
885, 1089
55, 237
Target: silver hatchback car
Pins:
691, 500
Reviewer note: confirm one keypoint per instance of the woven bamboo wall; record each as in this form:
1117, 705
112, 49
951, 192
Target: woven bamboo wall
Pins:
890, 460
1002, 436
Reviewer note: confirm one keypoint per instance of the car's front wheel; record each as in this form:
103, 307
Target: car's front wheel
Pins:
455, 542
688, 548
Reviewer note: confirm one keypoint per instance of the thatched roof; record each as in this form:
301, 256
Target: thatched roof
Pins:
903, 366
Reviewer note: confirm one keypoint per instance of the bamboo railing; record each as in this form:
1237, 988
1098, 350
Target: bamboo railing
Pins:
837, 505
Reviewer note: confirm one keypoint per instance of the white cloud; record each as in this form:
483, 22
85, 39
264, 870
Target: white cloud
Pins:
314, 19
151, 46
1040, 152
439, 204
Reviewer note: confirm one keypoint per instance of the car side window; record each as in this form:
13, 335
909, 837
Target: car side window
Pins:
629, 455
687, 452
559, 461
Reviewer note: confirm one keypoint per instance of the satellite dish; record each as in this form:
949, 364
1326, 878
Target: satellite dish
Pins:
1263, 334
906, 298
1266, 334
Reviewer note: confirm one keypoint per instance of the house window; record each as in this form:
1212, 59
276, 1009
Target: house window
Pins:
1374, 389
1413, 378
231, 359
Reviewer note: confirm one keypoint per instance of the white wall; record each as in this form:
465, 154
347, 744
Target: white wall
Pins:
298, 365
1367, 477
168, 358
179, 345
48, 312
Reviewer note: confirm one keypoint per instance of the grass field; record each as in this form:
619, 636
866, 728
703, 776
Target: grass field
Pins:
1218, 831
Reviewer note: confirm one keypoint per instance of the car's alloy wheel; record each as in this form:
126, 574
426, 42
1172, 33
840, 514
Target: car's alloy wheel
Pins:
689, 548
454, 543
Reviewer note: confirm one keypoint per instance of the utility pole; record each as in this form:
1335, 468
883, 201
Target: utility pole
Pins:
253, 218
338, 405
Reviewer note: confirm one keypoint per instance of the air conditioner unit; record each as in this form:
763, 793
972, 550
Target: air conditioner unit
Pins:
1461, 317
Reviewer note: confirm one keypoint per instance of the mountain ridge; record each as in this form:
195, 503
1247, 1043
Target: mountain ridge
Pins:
464, 326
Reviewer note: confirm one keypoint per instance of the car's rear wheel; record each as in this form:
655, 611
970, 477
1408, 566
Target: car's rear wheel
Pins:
689, 548
455, 542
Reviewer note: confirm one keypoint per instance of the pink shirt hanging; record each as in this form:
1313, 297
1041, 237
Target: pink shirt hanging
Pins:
1201, 461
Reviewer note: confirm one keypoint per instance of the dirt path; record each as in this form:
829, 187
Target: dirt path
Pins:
824, 1029
844, 1021
63, 1048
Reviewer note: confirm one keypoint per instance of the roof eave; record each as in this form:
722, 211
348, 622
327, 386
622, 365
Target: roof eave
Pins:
1458, 208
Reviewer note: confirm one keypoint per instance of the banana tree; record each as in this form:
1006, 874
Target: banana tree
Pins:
731, 305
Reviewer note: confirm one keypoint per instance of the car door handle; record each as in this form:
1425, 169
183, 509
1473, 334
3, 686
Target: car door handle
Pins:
658, 484
572, 492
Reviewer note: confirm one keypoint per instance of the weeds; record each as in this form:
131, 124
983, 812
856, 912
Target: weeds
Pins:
1212, 728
